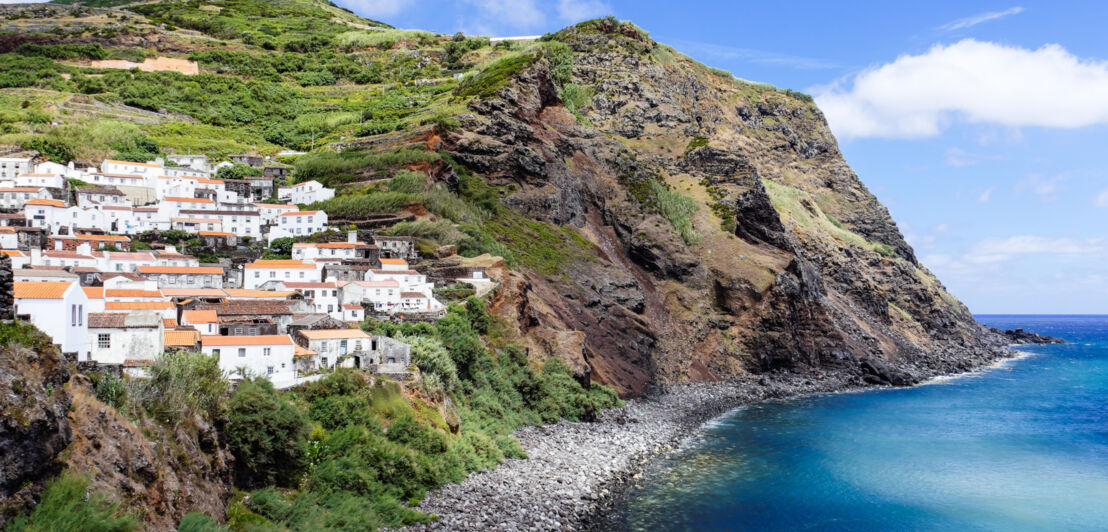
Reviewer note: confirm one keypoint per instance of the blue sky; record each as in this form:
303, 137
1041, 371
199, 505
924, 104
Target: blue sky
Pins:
981, 125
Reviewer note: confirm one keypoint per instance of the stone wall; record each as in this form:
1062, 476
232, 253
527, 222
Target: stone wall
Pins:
7, 300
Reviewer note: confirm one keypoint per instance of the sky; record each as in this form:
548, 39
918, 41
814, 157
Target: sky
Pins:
981, 125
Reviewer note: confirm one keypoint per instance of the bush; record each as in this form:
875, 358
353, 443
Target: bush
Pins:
238, 171
267, 436
678, 209
181, 385
407, 182
110, 389
576, 98
67, 504
197, 522
496, 74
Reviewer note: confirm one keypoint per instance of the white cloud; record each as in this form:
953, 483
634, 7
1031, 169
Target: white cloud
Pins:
972, 81
1101, 199
377, 8
969, 22
748, 55
578, 10
986, 195
1044, 188
994, 250
509, 14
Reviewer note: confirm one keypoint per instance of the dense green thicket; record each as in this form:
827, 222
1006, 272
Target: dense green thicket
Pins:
68, 504
267, 435
373, 448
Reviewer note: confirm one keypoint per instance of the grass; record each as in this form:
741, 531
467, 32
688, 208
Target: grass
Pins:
678, 209
576, 99
380, 39
799, 207
495, 75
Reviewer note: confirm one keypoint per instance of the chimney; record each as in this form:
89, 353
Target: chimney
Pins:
351, 237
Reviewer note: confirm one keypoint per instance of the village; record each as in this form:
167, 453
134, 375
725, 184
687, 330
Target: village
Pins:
122, 263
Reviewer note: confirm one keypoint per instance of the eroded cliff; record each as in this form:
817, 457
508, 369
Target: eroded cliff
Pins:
789, 263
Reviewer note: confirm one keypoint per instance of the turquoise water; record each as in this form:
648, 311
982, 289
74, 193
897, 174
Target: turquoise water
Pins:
1023, 446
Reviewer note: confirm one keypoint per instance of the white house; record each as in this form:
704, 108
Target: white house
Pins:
11, 167
383, 296
325, 297
241, 223
170, 257
121, 261
107, 196
269, 356
294, 224
57, 309
270, 211
19, 258
170, 206
353, 313
196, 162
40, 180
354, 348
118, 338
164, 309
184, 276
260, 272
15, 197
205, 321
149, 171
332, 250
305, 193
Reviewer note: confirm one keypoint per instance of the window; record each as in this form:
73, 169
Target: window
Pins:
323, 361
342, 347
215, 353
257, 274
242, 352
238, 332
73, 317
267, 351
269, 370
104, 341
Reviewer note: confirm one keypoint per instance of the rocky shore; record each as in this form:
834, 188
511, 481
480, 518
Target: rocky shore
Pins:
575, 470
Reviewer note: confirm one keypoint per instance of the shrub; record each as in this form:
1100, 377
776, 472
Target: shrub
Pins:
407, 182
237, 171
267, 435
678, 209
441, 231
495, 75
576, 98
67, 504
197, 522
110, 389
181, 385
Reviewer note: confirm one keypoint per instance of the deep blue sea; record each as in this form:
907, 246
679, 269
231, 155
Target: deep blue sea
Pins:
1022, 446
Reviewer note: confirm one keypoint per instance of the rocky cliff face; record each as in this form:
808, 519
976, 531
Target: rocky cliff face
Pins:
791, 264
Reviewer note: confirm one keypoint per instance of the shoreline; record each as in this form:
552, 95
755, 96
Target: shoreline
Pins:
577, 471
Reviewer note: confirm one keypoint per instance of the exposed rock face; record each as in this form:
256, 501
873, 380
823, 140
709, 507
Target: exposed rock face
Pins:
1022, 337
34, 428
796, 265
161, 472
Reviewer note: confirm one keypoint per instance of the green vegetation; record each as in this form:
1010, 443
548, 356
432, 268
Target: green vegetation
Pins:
576, 98
799, 207
267, 435
495, 75
678, 209
68, 504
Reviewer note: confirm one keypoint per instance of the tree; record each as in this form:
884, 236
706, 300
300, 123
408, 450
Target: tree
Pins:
267, 435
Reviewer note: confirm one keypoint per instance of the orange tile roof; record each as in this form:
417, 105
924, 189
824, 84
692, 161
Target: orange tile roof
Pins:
132, 162
45, 202
207, 270
352, 307
94, 292
269, 339
193, 292
45, 290
393, 261
413, 294
298, 351
188, 200
182, 338
137, 305
215, 233
20, 189
169, 323
331, 334
276, 205
133, 293
280, 264
200, 316
11, 252
119, 238
248, 293
301, 213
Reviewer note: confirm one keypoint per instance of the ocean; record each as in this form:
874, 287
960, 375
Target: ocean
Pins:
1019, 446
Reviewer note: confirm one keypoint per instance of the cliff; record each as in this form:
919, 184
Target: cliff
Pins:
787, 262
